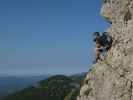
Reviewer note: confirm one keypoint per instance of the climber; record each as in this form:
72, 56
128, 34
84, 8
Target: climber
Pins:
98, 48
103, 44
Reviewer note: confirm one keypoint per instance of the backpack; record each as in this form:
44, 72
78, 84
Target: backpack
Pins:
106, 40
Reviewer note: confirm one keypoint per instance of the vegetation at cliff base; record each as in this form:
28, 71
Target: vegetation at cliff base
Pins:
57, 87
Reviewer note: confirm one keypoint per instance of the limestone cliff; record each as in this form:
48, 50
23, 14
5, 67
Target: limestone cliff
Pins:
112, 78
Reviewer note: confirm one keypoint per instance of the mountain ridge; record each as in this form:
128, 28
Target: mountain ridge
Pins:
57, 87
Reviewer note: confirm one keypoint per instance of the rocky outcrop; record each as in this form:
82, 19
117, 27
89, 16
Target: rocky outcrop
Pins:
112, 78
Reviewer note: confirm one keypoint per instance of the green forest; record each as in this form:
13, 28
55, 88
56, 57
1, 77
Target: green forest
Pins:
58, 87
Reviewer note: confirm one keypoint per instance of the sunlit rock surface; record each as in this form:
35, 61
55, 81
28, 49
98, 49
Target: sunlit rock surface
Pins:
112, 78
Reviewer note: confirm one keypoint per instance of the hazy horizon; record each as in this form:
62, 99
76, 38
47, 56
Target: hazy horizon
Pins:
48, 36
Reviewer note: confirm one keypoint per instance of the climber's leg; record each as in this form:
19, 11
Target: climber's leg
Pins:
97, 54
98, 50
110, 51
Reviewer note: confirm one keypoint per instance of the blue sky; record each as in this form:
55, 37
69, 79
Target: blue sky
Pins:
48, 36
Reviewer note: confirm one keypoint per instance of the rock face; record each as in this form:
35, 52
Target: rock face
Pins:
112, 78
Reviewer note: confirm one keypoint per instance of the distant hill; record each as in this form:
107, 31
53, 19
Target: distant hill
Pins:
11, 84
58, 87
78, 78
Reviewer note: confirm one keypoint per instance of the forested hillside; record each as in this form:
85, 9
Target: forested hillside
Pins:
57, 87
